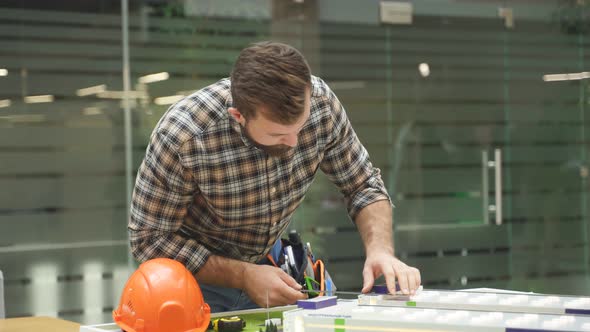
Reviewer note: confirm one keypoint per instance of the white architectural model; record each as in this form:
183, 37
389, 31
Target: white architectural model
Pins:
489, 301
350, 316
434, 311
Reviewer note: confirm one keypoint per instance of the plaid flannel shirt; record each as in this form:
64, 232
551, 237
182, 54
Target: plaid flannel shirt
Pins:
204, 189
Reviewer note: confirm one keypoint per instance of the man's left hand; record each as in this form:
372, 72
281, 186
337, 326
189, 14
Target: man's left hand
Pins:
386, 264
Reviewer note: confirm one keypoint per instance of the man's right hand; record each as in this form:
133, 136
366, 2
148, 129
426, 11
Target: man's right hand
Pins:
269, 286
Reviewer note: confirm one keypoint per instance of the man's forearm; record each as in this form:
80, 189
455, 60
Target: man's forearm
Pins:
375, 226
222, 271
374, 223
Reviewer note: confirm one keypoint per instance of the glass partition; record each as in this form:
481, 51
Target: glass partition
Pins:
63, 242
484, 154
474, 111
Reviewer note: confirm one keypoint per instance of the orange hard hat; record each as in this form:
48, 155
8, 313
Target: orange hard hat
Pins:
162, 296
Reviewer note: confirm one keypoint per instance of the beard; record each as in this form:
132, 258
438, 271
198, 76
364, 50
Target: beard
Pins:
278, 150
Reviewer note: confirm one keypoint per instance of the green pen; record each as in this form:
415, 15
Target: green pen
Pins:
312, 286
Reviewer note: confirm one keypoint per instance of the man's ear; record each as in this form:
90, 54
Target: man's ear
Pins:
237, 115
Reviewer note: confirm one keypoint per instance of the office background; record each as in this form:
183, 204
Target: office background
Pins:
475, 111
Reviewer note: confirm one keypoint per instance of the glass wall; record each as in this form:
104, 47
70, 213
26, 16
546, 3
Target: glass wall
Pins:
63, 242
483, 151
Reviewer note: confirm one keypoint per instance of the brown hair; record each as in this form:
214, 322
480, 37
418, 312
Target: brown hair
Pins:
271, 75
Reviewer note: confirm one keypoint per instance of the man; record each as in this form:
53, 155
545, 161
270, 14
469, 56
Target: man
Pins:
227, 166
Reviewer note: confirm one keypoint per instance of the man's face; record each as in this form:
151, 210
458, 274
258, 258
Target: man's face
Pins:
274, 138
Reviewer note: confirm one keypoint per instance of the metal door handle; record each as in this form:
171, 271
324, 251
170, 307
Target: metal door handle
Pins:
498, 185
496, 164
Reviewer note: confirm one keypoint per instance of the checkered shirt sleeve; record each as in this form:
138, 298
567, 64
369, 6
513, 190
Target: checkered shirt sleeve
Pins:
346, 163
162, 194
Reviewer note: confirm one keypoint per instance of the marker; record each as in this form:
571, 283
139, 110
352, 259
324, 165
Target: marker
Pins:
291, 257
288, 269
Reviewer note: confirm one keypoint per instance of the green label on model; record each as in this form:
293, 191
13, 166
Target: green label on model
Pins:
339, 325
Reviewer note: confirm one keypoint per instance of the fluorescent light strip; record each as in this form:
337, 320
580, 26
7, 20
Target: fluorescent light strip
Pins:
39, 99
3, 72
566, 77
44, 296
5, 103
154, 77
91, 90
168, 100
93, 290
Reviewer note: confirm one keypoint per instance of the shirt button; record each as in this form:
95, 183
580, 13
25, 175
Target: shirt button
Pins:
273, 190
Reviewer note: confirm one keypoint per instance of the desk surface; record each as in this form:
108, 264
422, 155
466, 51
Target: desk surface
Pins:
37, 324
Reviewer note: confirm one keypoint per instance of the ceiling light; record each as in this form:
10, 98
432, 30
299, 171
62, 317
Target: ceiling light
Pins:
424, 69
39, 99
154, 77
5, 103
91, 90
168, 100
